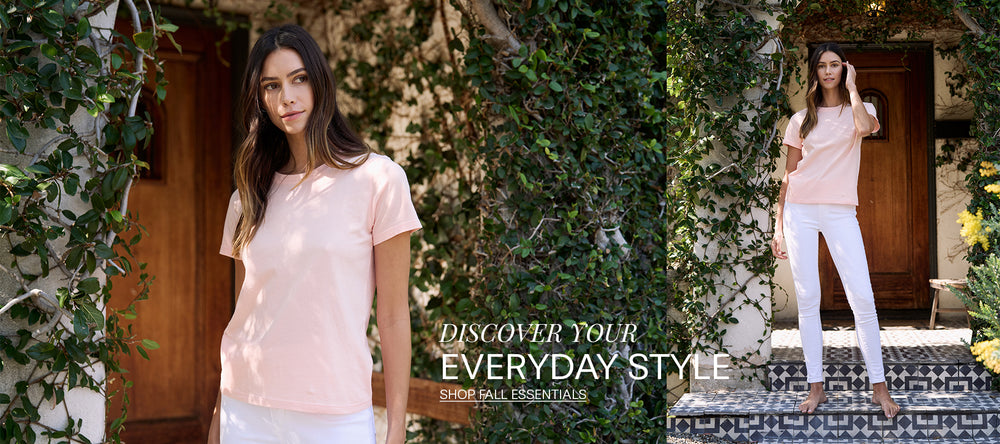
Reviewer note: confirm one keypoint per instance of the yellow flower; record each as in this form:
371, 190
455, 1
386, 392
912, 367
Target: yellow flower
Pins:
988, 352
988, 169
993, 188
972, 228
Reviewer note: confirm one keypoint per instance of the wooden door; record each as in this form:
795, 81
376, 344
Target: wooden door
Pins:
182, 204
893, 191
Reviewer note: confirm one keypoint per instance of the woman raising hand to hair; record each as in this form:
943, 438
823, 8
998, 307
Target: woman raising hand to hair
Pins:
819, 194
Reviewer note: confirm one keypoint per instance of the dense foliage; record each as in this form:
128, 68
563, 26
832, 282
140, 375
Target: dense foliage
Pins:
623, 160
980, 50
71, 137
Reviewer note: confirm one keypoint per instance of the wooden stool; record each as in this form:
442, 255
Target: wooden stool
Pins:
942, 284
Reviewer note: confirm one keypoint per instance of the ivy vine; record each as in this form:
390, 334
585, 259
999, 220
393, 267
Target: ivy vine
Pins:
72, 138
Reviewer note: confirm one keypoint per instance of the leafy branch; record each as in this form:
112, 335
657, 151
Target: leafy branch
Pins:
69, 110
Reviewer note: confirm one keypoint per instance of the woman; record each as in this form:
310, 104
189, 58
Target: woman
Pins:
819, 195
317, 224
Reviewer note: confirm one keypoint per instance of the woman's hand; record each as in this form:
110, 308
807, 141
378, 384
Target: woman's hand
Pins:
852, 75
779, 238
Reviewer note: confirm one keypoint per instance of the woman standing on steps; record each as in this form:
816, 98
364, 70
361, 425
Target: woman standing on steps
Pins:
819, 194
317, 224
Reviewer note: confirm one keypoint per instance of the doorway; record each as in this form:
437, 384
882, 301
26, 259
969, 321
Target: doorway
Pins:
181, 201
894, 190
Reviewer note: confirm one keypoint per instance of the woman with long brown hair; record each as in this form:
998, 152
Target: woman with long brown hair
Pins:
316, 225
819, 194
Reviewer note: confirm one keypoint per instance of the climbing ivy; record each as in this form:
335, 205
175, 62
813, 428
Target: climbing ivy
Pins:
622, 161
70, 150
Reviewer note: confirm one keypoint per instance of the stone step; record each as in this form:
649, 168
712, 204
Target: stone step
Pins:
760, 415
791, 376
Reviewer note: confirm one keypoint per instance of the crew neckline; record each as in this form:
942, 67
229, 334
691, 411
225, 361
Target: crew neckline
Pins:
302, 174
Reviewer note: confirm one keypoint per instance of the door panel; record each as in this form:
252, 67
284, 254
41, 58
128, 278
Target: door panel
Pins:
892, 187
182, 206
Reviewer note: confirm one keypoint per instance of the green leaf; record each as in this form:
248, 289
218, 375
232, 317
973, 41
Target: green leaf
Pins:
74, 257
54, 18
49, 51
41, 351
80, 327
104, 252
555, 86
150, 344
143, 40
83, 28
17, 134
19, 45
37, 169
89, 285
169, 27
87, 54
93, 316
6, 212
71, 184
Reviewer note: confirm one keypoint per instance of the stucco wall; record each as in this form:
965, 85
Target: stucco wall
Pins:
950, 194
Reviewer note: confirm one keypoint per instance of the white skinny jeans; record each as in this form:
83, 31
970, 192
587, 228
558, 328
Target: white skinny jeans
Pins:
839, 225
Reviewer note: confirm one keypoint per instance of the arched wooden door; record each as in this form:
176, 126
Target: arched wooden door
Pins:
893, 189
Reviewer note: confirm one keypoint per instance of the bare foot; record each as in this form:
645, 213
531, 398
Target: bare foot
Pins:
816, 397
881, 397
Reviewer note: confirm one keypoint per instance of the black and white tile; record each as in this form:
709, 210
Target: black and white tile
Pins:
944, 394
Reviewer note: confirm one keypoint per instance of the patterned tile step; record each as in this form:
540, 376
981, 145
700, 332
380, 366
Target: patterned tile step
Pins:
854, 428
898, 346
877, 441
911, 376
845, 402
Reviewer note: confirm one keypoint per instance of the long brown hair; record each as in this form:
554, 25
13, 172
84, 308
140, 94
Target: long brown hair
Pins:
329, 138
813, 96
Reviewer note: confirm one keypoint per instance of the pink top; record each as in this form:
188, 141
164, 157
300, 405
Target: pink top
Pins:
298, 337
831, 157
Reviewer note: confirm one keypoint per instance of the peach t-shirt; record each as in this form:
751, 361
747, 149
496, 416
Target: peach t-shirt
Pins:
298, 337
831, 157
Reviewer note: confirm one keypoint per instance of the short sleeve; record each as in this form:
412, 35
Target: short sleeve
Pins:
394, 211
792, 131
871, 111
229, 230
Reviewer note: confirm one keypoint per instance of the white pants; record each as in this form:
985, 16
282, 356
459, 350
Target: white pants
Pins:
839, 225
241, 423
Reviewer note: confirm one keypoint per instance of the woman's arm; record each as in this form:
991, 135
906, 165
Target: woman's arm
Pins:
213, 429
863, 121
392, 276
792, 158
